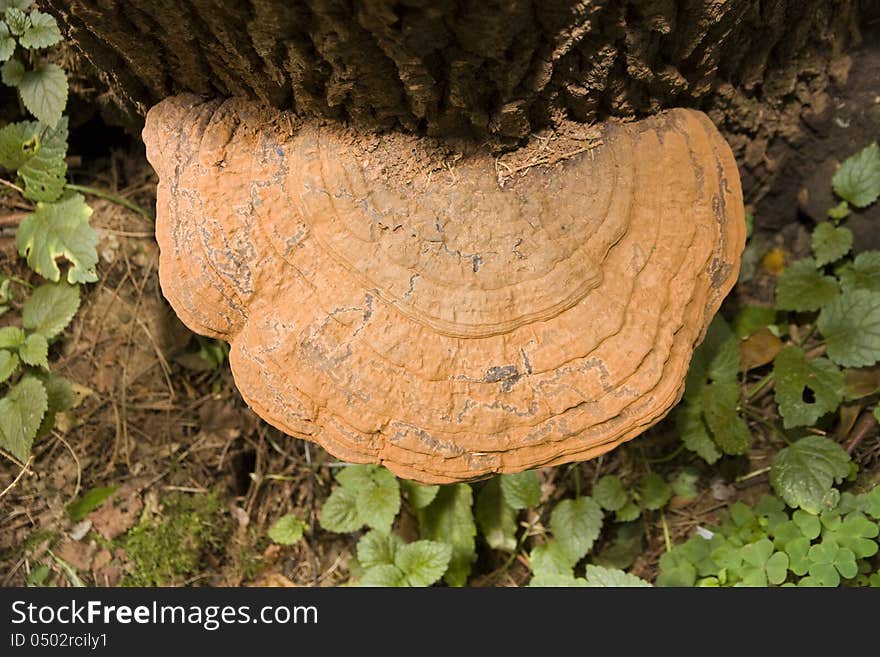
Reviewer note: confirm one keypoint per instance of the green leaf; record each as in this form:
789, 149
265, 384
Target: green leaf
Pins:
751, 318
556, 580
58, 230
872, 502
93, 499
655, 491
694, 432
550, 559
863, 273
807, 523
856, 533
11, 337
38, 576
495, 518
287, 530
858, 178
798, 550
676, 569
21, 412
449, 519
355, 477
8, 364
50, 308
379, 500
423, 562
521, 490
714, 359
804, 473
611, 577
418, 495
831, 242
684, 484
801, 287
575, 525
35, 351
7, 43
376, 548
387, 575
805, 390
60, 397
42, 33
12, 73
610, 493
840, 211
340, 513
16, 19
18, 4
629, 512
41, 160
43, 91
626, 547
729, 431
851, 326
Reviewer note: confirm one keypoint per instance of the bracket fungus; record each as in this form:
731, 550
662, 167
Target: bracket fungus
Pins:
399, 306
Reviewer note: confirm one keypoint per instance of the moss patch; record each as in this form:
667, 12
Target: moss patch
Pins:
169, 547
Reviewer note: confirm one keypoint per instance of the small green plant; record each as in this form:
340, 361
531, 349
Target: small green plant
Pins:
57, 229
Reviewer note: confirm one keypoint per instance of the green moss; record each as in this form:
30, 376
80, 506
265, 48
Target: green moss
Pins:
169, 547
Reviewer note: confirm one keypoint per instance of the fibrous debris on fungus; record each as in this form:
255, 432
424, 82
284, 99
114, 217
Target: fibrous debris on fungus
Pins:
390, 301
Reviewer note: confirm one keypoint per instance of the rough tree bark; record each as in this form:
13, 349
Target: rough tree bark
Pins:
496, 68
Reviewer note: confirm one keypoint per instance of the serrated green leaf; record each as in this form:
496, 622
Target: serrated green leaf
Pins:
44, 169
16, 19
340, 513
801, 287
8, 364
21, 412
419, 496
50, 308
804, 473
376, 548
610, 493
521, 490
858, 178
655, 491
556, 580
629, 512
851, 327
58, 230
575, 525
495, 517
379, 500
287, 530
711, 359
423, 562
805, 390
863, 273
12, 73
449, 519
93, 499
550, 559
355, 477
35, 351
43, 91
387, 575
11, 337
729, 431
694, 433
42, 33
831, 242
7, 43
597, 576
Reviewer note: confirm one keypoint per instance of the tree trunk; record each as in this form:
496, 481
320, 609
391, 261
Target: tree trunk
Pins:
496, 68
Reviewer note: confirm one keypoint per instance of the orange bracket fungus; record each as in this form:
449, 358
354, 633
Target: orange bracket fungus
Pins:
401, 302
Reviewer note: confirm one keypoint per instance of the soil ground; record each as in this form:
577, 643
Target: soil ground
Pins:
166, 427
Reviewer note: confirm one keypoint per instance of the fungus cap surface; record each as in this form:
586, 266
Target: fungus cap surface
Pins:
395, 303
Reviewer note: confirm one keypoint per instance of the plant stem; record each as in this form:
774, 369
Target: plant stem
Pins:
759, 386
666, 538
668, 457
93, 191
11, 185
752, 475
